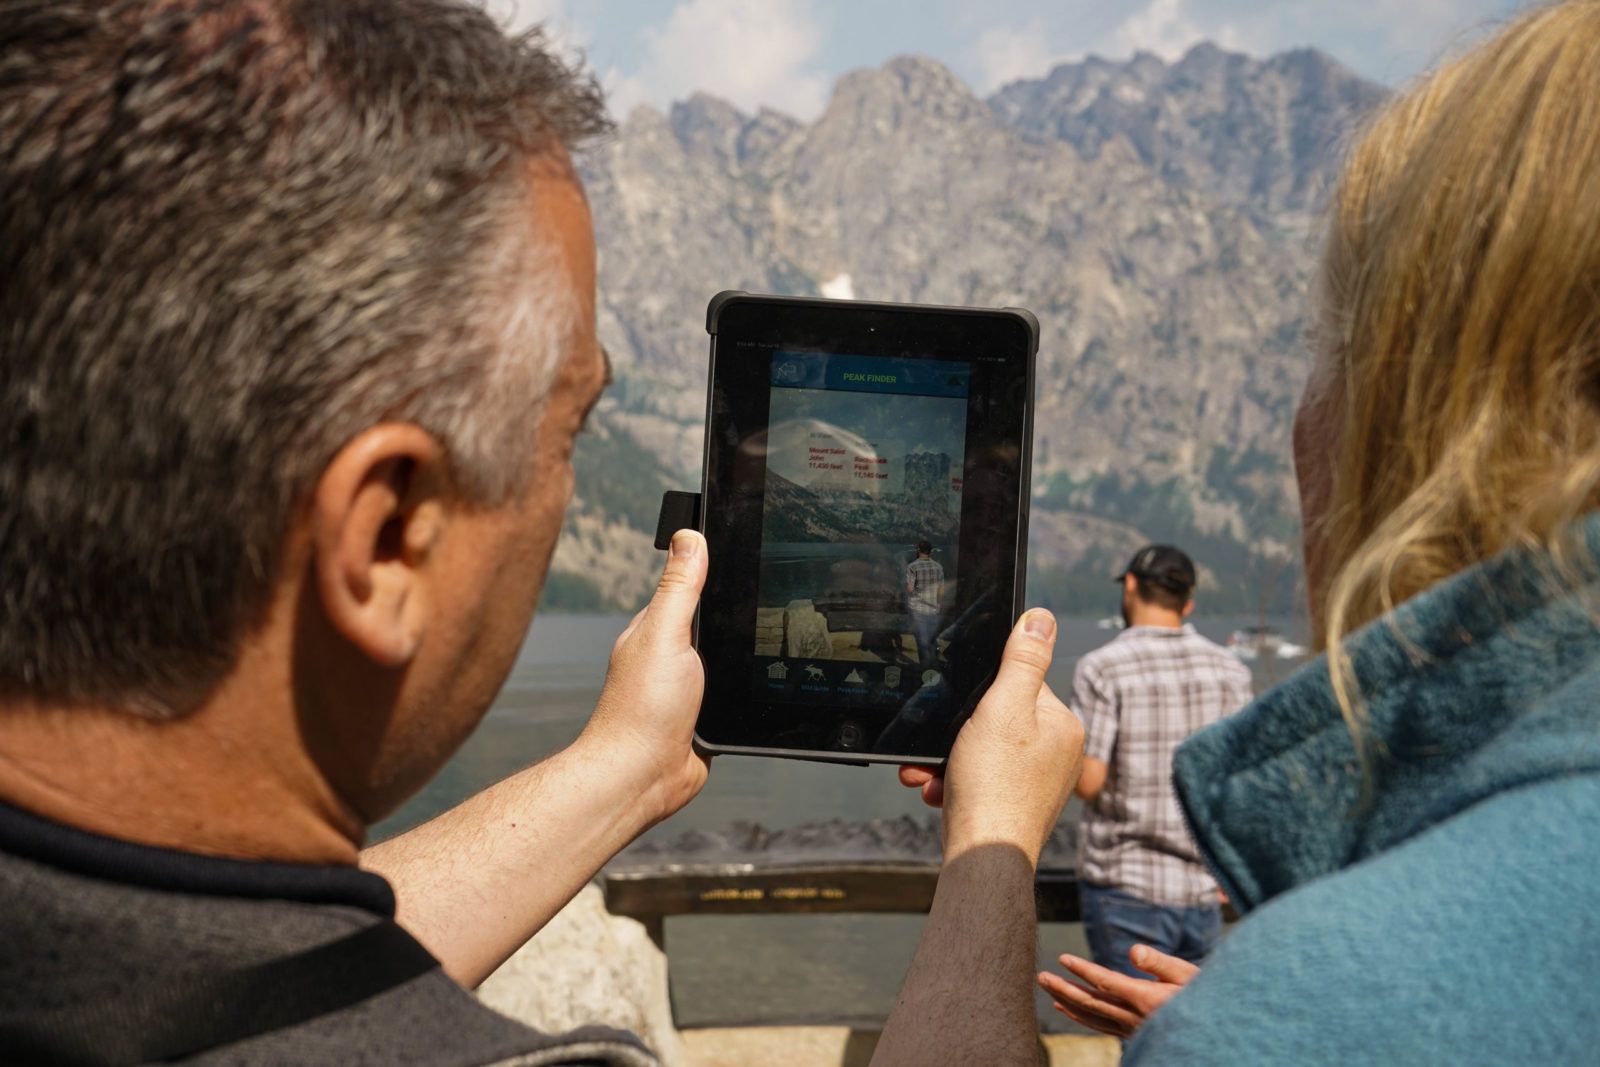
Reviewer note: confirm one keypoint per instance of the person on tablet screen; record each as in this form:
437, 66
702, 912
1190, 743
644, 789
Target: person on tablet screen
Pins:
924, 594
297, 328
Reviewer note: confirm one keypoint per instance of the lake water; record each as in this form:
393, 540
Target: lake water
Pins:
728, 970
806, 571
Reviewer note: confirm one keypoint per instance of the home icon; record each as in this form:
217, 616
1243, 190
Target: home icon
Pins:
778, 671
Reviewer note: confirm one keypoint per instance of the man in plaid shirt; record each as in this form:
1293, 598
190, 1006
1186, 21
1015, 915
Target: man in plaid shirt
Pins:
924, 591
1141, 881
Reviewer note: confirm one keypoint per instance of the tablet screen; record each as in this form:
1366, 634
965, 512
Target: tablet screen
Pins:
864, 506
861, 522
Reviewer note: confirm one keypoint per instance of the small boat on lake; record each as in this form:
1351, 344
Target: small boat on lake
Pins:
1255, 642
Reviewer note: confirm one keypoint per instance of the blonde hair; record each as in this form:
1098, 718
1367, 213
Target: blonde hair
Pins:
1459, 299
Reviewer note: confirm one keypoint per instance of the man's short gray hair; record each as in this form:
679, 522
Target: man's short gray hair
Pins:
233, 236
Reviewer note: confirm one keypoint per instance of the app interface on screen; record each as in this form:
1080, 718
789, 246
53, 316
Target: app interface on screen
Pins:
860, 522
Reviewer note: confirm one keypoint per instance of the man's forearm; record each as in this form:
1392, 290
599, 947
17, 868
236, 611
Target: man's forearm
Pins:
968, 997
482, 878
475, 883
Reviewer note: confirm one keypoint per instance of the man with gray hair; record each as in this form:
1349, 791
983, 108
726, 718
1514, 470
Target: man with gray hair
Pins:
296, 330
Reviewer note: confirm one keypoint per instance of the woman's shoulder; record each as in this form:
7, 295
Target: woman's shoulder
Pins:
1462, 944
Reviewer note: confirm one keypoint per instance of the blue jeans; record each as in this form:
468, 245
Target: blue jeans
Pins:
1114, 921
926, 628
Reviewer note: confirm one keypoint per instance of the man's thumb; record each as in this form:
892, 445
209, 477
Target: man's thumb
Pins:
677, 595
1026, 659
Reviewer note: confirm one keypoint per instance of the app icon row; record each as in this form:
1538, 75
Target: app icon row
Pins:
848, 674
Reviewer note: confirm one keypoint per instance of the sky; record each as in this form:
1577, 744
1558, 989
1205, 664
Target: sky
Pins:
786, 54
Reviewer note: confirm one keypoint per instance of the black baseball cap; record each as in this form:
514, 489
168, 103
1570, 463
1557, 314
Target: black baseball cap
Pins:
1168, 567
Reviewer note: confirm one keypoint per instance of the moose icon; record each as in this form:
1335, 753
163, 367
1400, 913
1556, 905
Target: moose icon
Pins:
814, 673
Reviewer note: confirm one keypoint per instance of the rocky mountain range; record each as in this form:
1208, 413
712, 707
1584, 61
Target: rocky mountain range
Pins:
794, 514
1159, 218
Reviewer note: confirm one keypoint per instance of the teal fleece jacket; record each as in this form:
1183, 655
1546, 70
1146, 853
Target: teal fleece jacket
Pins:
1452, 915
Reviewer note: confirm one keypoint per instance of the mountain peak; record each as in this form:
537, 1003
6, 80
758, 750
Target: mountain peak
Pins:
1207, 56
918, 70
908, 84
1261, 133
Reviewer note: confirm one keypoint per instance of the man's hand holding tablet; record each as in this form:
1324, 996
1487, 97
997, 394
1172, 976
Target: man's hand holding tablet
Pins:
1011, 756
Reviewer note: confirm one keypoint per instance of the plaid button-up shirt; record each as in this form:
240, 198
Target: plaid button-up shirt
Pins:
924, 576
1139, 697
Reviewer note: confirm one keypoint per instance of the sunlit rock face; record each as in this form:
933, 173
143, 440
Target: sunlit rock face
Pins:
1159, 218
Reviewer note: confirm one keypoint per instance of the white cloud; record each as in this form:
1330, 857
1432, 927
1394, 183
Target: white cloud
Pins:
749, 52
1004, 54
566, 32
1169, 28
841, 288
1388, 39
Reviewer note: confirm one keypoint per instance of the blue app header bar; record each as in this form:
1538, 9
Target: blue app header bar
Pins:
870, 374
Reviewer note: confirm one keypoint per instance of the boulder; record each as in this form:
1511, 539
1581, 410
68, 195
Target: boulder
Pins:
769, 631
805, 632
588, 967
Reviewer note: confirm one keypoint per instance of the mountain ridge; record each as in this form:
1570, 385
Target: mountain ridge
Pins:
1154, 216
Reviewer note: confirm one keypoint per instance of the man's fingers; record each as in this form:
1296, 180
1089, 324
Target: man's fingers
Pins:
916, 777
930, 781
1164, 967
671, 610
1023, 664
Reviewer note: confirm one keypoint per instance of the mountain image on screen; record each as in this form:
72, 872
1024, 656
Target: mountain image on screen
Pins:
829, 482
796, 514
854, 482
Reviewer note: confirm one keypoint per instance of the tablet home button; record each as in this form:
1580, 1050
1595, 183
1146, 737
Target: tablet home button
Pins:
848, 736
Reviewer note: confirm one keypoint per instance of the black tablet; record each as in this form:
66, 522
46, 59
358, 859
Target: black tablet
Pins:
865, 502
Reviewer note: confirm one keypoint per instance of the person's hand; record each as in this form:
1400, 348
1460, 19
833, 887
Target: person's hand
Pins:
1114, 1003
1015, 760
645, 719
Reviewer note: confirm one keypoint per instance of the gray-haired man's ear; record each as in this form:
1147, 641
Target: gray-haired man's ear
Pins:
376, 516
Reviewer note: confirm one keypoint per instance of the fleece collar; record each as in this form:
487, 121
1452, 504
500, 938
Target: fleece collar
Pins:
1487, 682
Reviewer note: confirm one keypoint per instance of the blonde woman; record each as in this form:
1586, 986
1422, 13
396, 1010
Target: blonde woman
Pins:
1412, 824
